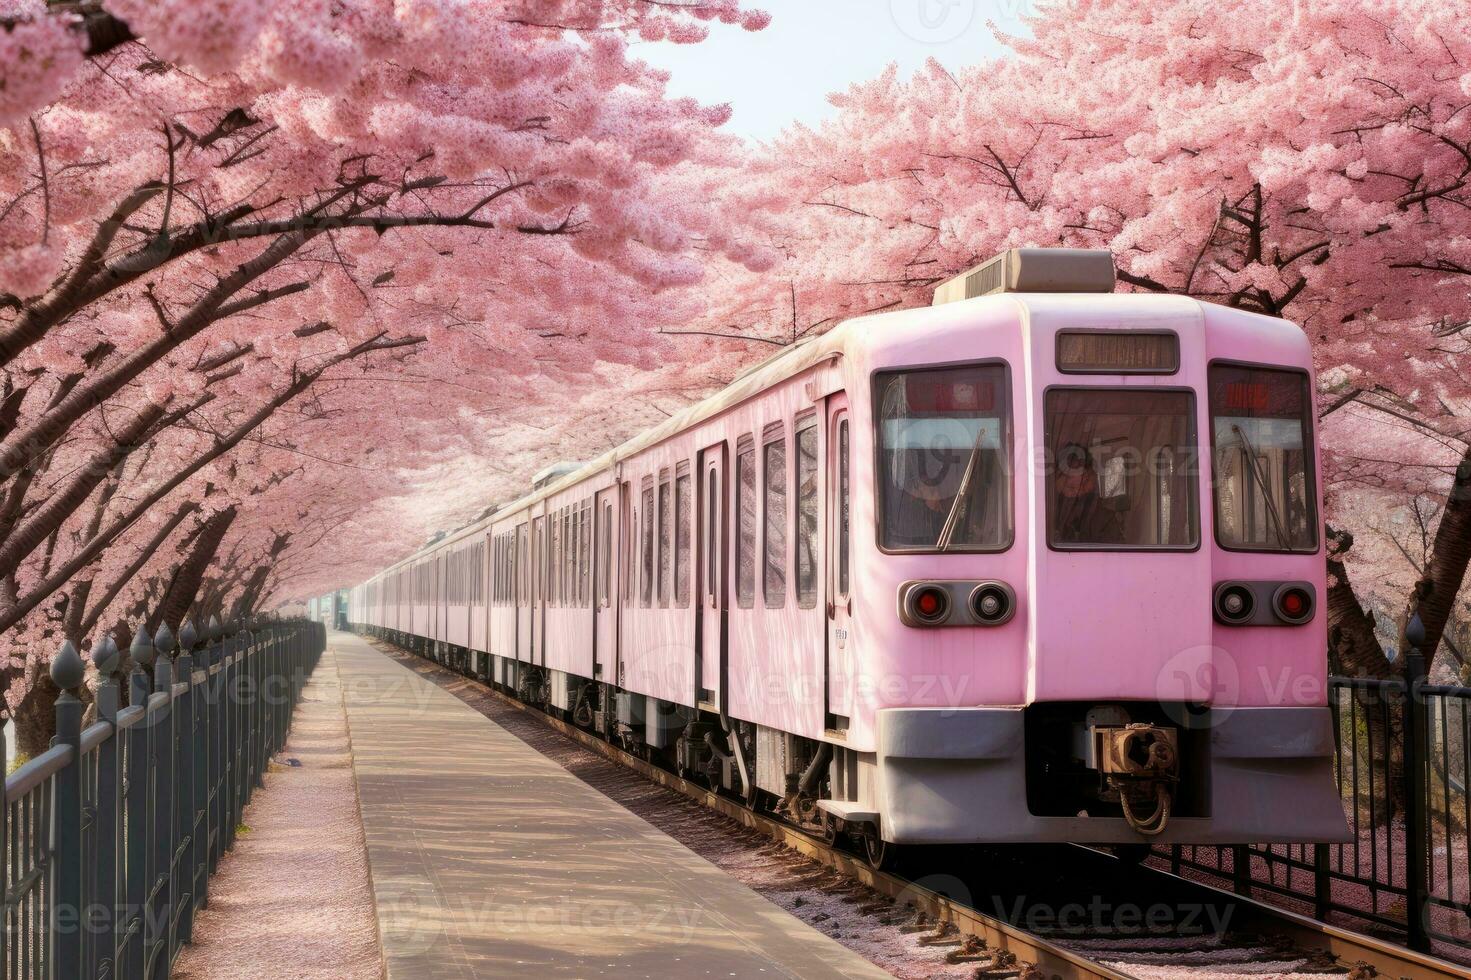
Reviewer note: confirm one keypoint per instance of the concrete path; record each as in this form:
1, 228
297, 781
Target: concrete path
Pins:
490, 860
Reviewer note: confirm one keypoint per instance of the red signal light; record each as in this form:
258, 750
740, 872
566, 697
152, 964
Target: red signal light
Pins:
1294, 604
926, 605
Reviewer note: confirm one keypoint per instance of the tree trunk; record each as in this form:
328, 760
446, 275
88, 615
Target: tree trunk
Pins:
187, 577
1353, 648
35, 717
1445, 569
1354, 651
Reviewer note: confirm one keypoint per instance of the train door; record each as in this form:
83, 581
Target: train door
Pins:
437, 612
539, 529
523, 593
710, 650
605, 584
839, 674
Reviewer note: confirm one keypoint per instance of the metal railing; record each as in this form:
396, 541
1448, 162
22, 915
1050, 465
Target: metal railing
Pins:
110, 836
1402, 767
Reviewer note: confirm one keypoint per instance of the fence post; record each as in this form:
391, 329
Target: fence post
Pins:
165, 806
1417, 839
203, 749
215, 673
68, 672
186, 727
134, 924
235, 727
108, 821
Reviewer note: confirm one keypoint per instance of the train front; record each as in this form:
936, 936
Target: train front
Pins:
1099, 534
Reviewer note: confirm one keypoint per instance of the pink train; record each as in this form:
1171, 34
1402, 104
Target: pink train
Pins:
1040, 562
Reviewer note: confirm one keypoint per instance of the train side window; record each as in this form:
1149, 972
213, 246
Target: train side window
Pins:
807, 514
522, 564
548, 561
569, 561
574, 534
605, 554
559, 560
682, 511
844, 529
666, 541
628, 542
580, 565
646, 570
585, 575
746, 524
712, 537
774, 557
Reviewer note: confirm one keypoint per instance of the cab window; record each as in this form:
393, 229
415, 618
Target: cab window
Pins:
944, 474
1120, 469
1264, 495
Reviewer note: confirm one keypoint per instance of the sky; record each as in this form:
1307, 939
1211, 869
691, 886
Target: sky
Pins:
812, 47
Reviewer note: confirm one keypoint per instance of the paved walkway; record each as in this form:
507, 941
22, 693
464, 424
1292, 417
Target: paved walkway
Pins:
490, 860
293, 899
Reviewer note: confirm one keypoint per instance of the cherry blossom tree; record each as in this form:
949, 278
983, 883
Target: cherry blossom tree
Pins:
260, 261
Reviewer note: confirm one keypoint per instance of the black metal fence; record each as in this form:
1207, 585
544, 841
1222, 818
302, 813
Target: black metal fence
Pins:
110, 836
1403, 770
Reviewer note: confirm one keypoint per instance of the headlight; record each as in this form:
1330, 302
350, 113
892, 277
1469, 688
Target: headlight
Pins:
992, 603
1235, 603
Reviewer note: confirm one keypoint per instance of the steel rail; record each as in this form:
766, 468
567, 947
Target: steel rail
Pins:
1349, 947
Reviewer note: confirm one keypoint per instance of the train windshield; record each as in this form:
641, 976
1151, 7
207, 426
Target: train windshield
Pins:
1121, 469
1264, 496
945, 479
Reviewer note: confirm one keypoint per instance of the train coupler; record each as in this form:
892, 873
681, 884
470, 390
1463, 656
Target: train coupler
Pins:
1140, 764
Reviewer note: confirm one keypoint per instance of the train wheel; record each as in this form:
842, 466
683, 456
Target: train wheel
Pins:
832, 836
882, 855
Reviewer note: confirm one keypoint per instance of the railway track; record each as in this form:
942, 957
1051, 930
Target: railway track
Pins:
1221, 934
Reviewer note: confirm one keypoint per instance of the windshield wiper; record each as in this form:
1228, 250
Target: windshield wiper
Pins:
1261, 481
952, 520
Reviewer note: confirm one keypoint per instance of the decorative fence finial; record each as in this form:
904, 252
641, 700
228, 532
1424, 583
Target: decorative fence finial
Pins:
67, 669
215, 630
164, 640
142, 651
1415, 632
105, 655
188, 636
